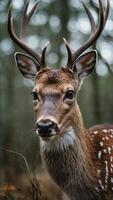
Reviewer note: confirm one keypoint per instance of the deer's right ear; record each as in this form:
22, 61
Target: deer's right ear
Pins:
26, 64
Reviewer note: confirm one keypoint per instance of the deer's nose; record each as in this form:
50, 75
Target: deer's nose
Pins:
45, 128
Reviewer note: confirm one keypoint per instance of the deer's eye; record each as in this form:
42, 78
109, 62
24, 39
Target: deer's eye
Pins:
35, 96
69, 95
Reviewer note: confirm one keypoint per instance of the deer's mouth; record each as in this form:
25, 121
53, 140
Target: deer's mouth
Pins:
47, 136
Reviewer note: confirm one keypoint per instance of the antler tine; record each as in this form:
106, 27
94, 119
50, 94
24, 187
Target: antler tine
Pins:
95, 33
24, 21
26, 18
107, 12
43, 62
90, 16
19, 40
69, 61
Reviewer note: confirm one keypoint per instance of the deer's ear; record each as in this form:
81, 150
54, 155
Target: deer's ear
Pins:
85, 64
26, 64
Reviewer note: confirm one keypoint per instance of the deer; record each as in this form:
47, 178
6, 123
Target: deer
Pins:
79, 160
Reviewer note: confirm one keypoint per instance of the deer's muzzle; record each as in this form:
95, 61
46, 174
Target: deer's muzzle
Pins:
46, 128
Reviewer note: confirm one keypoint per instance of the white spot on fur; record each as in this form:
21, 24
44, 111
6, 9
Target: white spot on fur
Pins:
101, 144
99, 154
106, 168
98, 172
101, 185
104, 150
105, 131
95, 132
96, 188
106, 186
100, 182
107, 138
109, 150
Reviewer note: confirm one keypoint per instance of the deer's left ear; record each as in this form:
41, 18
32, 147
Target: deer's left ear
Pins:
85, 64
27, 65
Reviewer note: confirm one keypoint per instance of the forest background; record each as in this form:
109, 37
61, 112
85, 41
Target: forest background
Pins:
53, 21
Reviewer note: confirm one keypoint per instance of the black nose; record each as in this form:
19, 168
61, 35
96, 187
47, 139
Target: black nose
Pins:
45, 128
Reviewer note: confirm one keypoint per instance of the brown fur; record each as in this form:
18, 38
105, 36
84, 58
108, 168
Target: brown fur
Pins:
49, 190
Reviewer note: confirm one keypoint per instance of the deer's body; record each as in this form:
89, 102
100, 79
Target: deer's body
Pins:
79, 160
70, 174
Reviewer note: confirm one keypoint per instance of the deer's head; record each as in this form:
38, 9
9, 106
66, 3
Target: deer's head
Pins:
55, 90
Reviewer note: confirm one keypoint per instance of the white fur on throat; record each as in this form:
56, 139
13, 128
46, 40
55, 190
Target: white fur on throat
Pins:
59, 143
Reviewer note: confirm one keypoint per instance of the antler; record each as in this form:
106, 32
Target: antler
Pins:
95, 33
20, 41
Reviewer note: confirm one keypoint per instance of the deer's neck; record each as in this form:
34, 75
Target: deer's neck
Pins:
68, 161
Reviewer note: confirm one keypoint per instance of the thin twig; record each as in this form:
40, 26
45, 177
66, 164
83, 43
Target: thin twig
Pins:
34, 183
23, 157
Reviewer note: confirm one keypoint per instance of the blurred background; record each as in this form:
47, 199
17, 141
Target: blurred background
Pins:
53, 21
